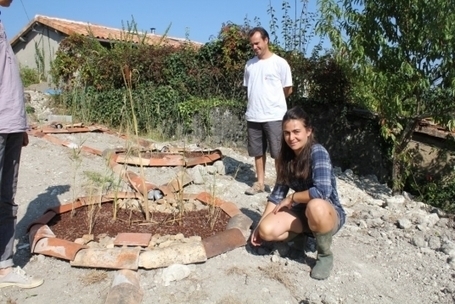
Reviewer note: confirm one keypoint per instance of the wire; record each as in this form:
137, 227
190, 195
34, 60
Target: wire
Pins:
23, 6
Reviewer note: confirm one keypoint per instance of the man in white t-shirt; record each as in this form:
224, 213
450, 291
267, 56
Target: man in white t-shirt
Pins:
269, 82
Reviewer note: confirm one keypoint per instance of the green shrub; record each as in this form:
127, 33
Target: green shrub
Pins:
440, 193
29, 76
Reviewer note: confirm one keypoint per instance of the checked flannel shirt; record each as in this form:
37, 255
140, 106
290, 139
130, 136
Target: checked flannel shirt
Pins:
322, 183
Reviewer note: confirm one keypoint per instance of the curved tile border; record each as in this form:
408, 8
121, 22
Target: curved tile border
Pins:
180, 157
43, 241
126, 287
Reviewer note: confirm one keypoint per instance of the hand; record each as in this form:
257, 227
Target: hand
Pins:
286, 202
255, 238
25, 139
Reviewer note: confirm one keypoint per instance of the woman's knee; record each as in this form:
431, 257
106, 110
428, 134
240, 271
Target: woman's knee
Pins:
320, 214
266, 231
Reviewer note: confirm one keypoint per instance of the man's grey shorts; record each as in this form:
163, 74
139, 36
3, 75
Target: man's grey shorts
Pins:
262, 135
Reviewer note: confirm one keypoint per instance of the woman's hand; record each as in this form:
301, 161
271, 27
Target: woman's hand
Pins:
286, 202
255, 238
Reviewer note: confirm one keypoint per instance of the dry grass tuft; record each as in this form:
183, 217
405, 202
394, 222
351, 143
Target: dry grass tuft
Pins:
236, 271
277, 273
229, 300
93, 277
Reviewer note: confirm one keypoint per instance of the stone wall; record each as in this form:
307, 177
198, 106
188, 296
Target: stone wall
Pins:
354, 142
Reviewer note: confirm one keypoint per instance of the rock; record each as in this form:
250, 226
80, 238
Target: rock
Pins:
337, 171
166, 244
404, 223
220, 168
443, 223
427, 251
155, 194
175, 272
376, 202
313, 297
421, 227
448, 247
328, 299
395, 202
451, 261
179, 236
376, 213
362, 224
349, 173
434, 242
432, 219
439, 212
88, 238
408, 196
79, 241
275, 258
374, 223
211, 170
419, 241
198, 173
178, 253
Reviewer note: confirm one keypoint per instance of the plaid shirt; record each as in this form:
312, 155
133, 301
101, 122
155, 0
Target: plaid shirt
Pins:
322, 183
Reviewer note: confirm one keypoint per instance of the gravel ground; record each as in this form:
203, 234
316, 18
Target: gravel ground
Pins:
391, 250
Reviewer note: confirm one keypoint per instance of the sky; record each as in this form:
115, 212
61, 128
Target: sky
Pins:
202, 19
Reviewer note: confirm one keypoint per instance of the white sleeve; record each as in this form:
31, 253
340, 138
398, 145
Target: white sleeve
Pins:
286, 76
245, 77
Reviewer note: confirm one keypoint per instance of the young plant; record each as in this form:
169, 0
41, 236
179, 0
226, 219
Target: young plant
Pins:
76, 162
96, 185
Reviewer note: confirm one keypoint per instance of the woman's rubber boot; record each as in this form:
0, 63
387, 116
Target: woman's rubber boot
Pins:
324, 263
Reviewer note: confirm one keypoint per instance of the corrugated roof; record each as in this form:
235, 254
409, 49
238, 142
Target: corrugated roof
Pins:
100, 32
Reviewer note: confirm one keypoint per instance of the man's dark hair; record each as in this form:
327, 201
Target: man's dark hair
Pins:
264, 33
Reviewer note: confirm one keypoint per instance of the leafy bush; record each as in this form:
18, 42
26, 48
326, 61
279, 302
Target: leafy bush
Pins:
29, 76
440, 193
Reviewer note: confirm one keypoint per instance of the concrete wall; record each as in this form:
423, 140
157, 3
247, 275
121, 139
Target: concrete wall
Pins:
46, 40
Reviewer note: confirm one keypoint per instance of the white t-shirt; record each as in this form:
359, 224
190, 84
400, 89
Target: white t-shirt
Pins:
265, 80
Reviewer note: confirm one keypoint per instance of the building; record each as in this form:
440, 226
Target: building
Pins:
37, 43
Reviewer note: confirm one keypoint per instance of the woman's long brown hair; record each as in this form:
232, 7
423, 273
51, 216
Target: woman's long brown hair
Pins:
289, 165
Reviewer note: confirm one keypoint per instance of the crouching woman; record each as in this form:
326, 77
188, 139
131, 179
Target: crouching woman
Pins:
313, 208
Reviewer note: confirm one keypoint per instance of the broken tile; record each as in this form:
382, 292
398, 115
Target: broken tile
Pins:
133, 239
223, 242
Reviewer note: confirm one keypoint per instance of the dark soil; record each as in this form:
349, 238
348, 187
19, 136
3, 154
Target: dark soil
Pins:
203, 223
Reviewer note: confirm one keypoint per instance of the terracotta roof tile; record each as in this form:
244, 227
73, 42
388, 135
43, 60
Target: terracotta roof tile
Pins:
100, 32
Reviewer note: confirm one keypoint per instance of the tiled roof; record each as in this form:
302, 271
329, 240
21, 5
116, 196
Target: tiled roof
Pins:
100, 32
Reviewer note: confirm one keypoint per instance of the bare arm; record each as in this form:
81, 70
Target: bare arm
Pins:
287, 91
255, 238
302, 197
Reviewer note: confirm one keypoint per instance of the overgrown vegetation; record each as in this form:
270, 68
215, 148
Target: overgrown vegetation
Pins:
394, 60
400, 55
171, 85
29, 76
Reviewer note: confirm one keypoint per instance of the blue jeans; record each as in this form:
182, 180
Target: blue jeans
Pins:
10, 153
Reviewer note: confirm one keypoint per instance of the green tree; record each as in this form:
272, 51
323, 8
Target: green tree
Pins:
401, 54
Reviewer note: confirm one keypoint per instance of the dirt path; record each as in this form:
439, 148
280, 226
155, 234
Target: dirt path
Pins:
376, 261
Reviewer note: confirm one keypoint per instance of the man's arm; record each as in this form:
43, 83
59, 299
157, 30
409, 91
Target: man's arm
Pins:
287, 91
